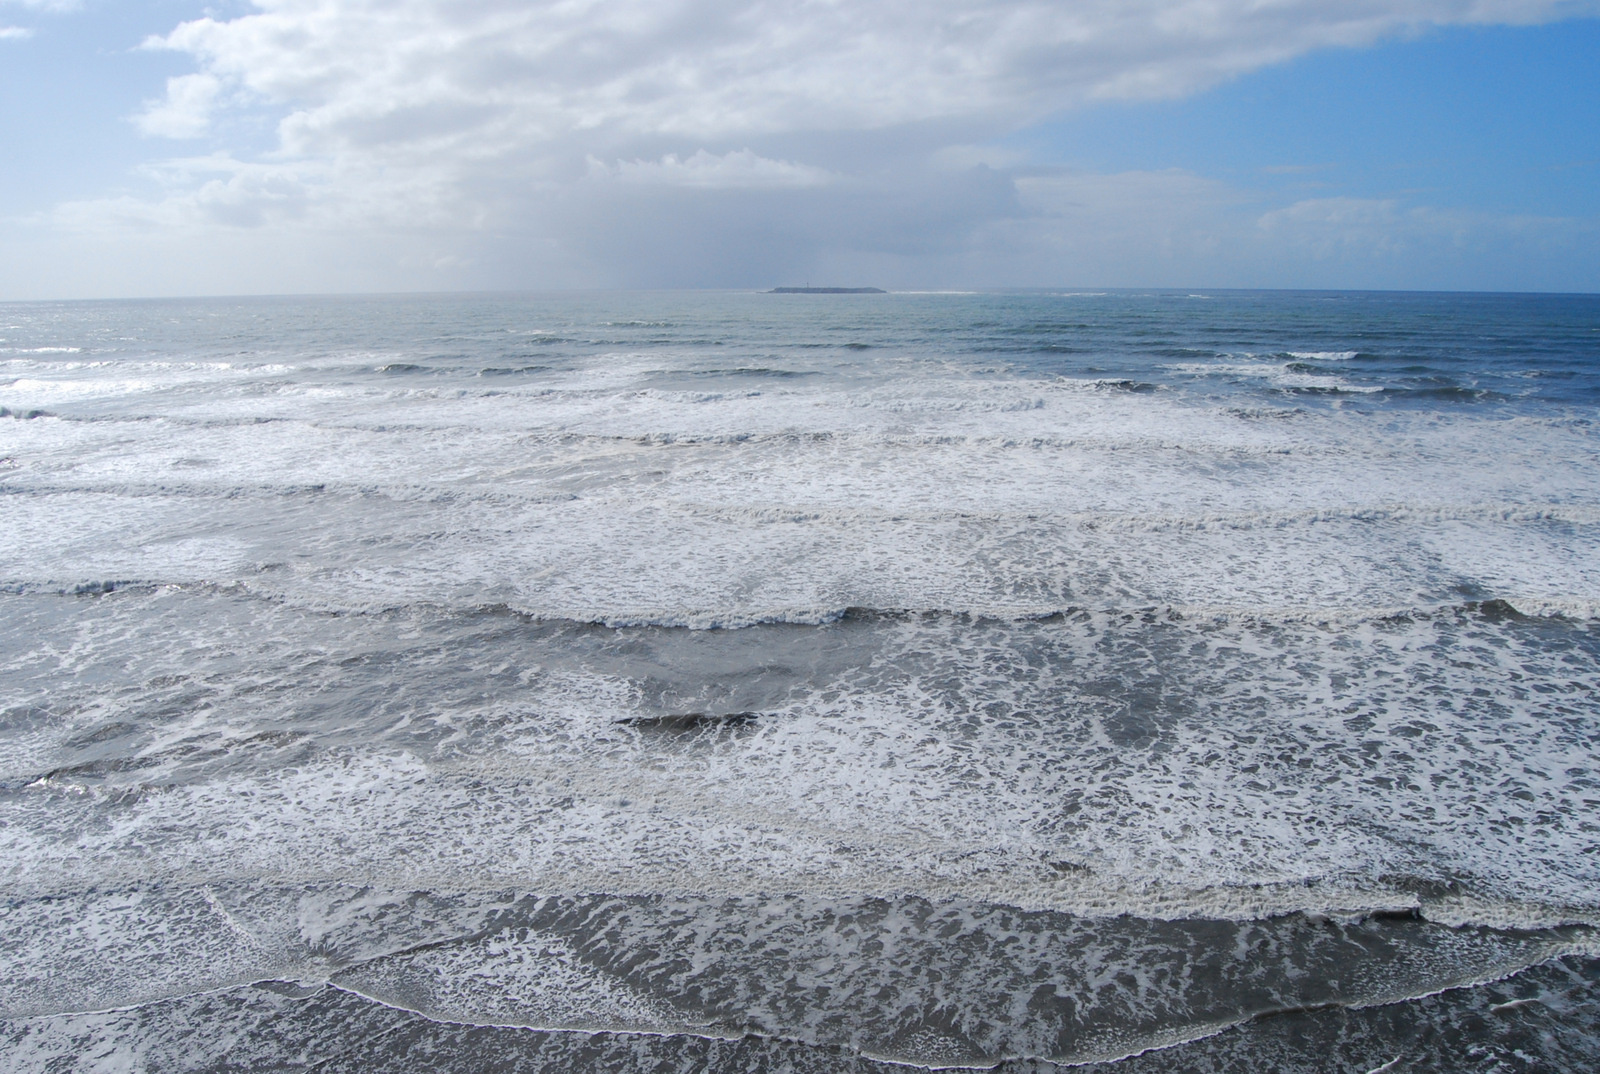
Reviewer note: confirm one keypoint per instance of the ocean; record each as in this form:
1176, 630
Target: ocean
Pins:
1130, 681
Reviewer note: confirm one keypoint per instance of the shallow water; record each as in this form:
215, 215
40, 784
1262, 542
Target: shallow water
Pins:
754, 682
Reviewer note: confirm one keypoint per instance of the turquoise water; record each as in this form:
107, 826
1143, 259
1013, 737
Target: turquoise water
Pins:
753, 682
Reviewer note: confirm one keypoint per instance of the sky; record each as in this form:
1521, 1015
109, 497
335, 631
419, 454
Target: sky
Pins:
165, 147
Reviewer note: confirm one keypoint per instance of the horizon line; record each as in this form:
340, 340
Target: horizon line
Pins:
1065, 290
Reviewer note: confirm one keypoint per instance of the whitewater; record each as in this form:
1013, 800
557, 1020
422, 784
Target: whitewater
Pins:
1139, 681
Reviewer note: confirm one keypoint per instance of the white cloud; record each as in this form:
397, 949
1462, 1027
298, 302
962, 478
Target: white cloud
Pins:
1329, 227
497, 75
198, 194
691, 142
225, 225
496, 95
1386, 229
203, 192
186, 110
1135, 228
20, 33
961, 157
737, 170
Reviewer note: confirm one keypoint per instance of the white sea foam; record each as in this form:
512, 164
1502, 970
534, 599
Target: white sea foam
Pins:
1013, 644
1059, 764
951, 494
1278, 374
1028, 984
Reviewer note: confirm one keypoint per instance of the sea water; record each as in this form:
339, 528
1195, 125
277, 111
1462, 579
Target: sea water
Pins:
752, 682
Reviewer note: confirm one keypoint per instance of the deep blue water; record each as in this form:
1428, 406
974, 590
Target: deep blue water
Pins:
1420, 348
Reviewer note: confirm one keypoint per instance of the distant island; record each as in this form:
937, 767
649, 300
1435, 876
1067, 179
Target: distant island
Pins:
827, 291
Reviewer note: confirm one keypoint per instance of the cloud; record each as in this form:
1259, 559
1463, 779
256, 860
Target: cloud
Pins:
226, 226
737, 170
186, 110
220, 191
20, 33
1386, 229
507, 92
1329, 227
1135, 228
731, 142
495, 76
